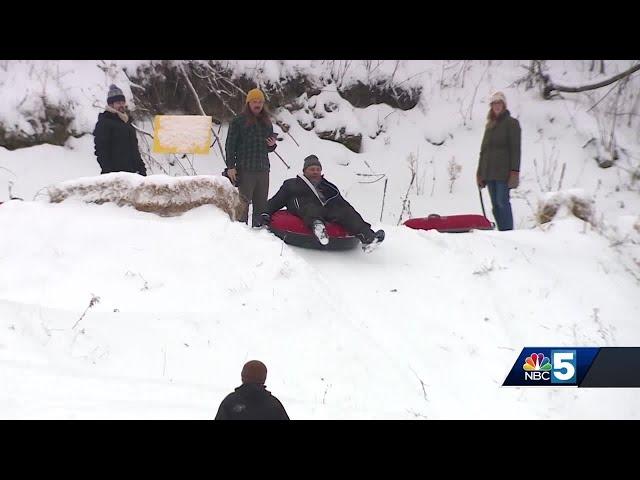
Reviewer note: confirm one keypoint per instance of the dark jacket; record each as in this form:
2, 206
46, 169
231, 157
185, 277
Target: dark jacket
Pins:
500, 149
116, 145
246, 146
251, 401
295, 193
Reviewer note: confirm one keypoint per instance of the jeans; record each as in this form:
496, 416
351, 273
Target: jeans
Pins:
499, 193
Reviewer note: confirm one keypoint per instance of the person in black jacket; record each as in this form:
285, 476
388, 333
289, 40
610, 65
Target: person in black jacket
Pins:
116, 144
251, 400
316, 200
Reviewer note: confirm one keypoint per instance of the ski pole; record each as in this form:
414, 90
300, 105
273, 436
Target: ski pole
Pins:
482, 202
288, 167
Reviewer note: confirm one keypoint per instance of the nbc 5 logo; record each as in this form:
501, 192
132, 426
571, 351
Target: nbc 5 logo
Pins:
560, 368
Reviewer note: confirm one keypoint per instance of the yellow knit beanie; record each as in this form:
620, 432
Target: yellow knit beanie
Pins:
255, 94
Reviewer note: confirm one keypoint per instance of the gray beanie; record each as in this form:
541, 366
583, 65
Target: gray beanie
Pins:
115, 95
311, 160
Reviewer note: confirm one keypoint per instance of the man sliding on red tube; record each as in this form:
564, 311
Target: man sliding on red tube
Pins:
317, 201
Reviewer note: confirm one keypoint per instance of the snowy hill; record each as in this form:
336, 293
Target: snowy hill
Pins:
427, 326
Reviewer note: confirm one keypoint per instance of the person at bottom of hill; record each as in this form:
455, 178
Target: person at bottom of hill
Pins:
316, 200
251, 400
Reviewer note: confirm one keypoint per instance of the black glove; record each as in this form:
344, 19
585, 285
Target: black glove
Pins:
225, 174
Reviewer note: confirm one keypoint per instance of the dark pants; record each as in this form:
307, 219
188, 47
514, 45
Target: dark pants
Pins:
336, 211
254, 189
499, 193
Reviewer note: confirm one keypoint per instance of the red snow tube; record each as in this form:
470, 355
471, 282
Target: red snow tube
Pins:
293, 231
450, 224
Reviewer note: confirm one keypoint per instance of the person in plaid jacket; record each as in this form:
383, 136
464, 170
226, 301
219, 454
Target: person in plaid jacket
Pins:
249, 141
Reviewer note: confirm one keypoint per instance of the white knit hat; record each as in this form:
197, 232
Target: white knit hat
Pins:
498, 97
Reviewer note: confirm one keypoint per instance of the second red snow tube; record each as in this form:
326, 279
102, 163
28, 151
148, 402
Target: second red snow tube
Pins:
451, 223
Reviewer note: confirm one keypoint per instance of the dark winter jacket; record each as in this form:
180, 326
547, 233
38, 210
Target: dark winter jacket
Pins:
295, 193
246, 146
116, 145
500, 149
251, 401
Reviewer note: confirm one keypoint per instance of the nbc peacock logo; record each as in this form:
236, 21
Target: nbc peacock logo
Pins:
556, 366
537, 367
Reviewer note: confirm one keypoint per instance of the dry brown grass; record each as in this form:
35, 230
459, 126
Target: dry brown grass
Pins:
172, 197
579, 207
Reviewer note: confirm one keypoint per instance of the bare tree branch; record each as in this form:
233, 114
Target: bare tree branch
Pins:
384, 195
199, 105
94, 299
4, 168
142, 131
193, 90
551, 87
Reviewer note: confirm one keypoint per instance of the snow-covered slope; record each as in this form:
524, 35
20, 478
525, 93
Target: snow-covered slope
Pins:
427, 326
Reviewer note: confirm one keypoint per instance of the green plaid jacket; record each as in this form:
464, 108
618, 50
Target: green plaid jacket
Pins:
246, 146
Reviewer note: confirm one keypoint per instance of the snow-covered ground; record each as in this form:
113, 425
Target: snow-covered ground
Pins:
426, 326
